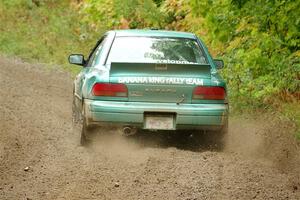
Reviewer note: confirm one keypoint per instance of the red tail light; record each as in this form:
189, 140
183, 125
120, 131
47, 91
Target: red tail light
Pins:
110, 90
209, 93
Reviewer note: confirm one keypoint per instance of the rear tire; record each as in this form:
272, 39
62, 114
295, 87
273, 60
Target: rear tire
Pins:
84, 134
80, 126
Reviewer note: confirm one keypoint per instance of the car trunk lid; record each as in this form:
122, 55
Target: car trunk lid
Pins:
159, 82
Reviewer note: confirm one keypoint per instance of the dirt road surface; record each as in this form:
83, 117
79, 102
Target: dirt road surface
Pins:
40, 156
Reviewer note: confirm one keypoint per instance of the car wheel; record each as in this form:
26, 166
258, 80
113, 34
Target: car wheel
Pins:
84, 134
75, 113
80, 126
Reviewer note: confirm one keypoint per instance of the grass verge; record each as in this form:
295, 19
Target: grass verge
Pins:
44, 32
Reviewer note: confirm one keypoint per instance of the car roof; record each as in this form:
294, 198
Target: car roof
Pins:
154, 33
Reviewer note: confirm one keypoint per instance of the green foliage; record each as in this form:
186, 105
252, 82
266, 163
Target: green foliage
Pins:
259, 40
40, 30
115, 14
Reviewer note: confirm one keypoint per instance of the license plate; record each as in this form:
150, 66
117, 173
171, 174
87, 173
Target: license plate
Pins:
159, 122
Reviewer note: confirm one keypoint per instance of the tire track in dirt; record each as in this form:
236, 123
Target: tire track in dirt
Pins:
36, 131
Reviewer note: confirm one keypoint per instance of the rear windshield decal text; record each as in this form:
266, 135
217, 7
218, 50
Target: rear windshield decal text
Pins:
161, 80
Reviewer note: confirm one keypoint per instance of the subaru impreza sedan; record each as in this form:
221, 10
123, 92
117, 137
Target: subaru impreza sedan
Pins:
151, 80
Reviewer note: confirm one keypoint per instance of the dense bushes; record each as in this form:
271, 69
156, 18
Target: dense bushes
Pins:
259, 40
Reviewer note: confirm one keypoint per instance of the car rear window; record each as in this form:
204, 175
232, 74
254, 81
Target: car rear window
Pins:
156, 49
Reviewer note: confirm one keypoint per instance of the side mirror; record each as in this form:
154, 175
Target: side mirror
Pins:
219, 63
76, 59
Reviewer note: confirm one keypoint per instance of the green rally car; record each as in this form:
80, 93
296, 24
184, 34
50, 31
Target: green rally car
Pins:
149, 79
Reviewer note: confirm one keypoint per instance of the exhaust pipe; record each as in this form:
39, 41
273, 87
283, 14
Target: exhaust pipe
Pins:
127, 131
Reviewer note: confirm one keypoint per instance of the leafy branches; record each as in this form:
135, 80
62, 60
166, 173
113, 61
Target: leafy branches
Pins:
259, 40
121, 14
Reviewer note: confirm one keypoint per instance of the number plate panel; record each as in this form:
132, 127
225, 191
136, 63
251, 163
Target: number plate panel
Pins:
159, 121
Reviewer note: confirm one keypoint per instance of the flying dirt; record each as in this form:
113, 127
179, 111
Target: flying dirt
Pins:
40, 155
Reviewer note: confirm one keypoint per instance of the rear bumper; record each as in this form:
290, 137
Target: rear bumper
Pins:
188, 116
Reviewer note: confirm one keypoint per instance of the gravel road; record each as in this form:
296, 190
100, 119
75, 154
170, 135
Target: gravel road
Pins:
40, 155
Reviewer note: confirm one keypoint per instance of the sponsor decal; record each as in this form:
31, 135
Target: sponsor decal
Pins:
175, 62
161, 80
